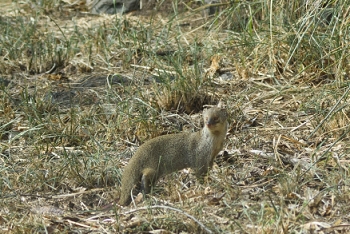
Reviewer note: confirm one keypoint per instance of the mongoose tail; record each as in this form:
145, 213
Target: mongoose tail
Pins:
130, 181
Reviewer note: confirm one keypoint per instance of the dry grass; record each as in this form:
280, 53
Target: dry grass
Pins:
80, 92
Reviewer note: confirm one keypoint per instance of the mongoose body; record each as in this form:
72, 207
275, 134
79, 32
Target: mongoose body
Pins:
165, 154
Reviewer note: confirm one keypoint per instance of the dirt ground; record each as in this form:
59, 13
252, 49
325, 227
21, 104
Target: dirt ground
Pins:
69, 127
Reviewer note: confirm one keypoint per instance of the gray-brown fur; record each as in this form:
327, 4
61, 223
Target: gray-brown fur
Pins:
165, 154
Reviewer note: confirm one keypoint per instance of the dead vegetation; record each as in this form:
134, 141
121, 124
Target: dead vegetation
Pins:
80, 92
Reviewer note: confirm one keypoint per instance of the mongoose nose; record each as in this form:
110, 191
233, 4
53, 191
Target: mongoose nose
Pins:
210, 122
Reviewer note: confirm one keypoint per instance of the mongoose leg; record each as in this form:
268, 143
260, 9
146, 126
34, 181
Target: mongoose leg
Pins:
147, 180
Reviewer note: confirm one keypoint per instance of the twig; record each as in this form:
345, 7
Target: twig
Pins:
52, 69
174, 209
329, 113
77, 193
322, 157
255, 185
138, 99
302, 124
79, 224
59, 28
155, 69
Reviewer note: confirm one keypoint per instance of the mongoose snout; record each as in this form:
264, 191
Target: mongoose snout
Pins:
212, 121
165, 154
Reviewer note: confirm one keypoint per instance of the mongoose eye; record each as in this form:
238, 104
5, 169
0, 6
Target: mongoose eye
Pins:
213, 120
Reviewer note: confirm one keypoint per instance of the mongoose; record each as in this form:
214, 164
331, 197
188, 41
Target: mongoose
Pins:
165, 154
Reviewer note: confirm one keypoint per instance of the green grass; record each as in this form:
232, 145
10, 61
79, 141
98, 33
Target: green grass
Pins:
78, 97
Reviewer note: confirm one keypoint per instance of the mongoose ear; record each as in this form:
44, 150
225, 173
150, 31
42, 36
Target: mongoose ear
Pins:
221, 104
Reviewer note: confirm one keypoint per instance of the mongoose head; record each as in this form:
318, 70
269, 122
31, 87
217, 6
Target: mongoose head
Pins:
215, 119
